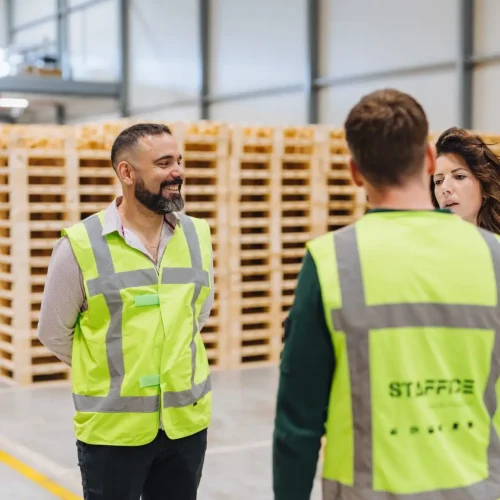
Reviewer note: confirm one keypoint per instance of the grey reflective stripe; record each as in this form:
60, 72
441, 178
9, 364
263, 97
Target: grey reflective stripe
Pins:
484, 490
109, 283
192, 239
120, 404
181, 275
189, 397
356, 319
106, 269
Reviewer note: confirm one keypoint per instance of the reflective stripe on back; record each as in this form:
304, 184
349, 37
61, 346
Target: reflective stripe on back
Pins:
356, 319
109, 283
485, 490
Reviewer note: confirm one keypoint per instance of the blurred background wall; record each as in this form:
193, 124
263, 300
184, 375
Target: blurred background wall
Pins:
263, 62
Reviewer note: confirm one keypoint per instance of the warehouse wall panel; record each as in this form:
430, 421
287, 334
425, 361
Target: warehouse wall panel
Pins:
486, 115
285, 109
43, 36
360, 37
181, 113
257, 44
436, 92
74, 3
30, 10
486, 22
164, 52
93, 42
42, 113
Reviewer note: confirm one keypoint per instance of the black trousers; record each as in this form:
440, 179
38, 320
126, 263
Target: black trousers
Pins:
164, 469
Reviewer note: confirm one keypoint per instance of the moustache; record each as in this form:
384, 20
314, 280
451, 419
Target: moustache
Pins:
175, 182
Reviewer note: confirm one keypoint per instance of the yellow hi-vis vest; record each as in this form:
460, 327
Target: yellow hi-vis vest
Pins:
138, 359
412, 305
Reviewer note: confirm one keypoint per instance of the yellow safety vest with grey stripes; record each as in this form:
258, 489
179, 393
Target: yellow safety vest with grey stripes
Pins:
411, 300
138, 360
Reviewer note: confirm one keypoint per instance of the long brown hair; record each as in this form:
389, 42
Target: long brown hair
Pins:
484, 165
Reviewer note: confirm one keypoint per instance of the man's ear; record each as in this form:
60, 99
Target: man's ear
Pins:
355, 174
125, 173
430, 159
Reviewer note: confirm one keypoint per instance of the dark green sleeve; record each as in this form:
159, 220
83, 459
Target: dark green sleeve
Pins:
306, 373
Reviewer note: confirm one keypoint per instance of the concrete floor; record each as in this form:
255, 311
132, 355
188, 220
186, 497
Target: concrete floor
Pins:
36, 428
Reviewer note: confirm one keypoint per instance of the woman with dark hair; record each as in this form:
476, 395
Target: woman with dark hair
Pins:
467, 179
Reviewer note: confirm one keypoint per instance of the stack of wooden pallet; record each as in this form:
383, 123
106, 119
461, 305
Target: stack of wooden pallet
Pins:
265, 191
346, 202
205, 148
287, 186
254, 245
96, 181
36, 205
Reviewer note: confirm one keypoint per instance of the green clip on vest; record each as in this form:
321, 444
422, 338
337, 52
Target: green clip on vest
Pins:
138, 359
413, 406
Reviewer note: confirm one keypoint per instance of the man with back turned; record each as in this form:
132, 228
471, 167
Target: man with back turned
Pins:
391, 345
127, 294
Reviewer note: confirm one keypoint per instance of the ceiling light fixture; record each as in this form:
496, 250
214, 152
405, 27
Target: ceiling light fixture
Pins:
6, 102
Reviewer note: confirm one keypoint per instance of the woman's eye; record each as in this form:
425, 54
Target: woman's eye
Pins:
460, 176
439, 181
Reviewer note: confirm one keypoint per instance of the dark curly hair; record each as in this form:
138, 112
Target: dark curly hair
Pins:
484, 165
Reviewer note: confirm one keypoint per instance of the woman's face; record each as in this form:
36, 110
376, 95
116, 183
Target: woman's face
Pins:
456, 188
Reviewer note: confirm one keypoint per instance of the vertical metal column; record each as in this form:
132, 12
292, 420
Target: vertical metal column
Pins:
63, 38
62, 52
465, 67
9, 7
204, 33
312, 61
60, 114
123, 50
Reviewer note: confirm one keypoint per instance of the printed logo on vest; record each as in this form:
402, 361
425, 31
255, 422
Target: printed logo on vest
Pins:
431, 387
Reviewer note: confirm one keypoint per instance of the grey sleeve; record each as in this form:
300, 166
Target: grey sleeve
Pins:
63, 300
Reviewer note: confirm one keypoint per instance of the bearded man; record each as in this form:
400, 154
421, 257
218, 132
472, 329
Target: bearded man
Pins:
127, 293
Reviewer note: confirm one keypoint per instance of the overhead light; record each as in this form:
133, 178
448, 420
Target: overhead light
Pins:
6, 102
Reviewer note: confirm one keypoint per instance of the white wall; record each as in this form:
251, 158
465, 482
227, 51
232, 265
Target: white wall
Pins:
93, 42
256, 44
390, 34
177, 113
286, 109
486, 111
29, 10
360, 36
164, 51
436, 92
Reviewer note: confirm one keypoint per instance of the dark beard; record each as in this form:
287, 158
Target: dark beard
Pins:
158, 203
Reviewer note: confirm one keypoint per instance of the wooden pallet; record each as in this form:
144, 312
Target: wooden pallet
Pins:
99, 136
255, 246
346, 202
97, 182
8, 341
303, 200
49, 193
205, 149
35, 210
